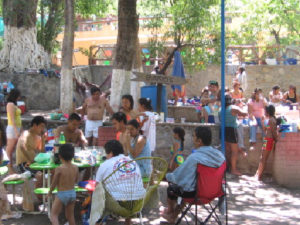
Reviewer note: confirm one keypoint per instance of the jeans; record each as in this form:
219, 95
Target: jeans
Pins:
253, 130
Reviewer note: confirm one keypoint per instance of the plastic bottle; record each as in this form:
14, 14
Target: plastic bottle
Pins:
62, 139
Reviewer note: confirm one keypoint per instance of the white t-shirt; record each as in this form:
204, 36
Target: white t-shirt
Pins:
126, 184
149, 129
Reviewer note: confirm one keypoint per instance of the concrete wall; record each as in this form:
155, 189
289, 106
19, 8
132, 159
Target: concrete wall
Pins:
263, 76
41, 92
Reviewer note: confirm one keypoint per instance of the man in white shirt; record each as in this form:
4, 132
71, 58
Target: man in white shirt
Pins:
121, 183
126, 184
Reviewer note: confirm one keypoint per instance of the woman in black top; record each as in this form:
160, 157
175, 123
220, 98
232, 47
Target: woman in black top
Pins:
290, 96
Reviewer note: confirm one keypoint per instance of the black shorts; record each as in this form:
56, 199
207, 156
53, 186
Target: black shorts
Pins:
231, 135
175, 191
22, 168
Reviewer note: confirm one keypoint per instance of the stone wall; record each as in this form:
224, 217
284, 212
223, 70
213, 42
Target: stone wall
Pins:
263, 76
41, 92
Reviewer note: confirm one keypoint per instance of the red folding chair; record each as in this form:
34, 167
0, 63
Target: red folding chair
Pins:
209, 187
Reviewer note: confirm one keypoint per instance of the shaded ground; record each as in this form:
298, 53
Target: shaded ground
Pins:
250, 202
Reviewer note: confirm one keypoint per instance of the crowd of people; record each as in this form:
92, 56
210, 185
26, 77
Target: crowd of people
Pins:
136, 137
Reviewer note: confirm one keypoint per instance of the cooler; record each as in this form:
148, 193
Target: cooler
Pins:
150, 91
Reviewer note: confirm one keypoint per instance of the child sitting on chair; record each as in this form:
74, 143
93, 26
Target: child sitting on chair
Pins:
65, 178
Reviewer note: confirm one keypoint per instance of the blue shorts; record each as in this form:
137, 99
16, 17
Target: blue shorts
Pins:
66, 197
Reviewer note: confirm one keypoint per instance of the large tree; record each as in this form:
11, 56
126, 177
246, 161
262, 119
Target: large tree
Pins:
125, 50
66, 83
20, 47
193, 26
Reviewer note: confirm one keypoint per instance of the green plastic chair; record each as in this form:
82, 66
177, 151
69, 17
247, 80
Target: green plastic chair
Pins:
45, 191
129, 209
14, 183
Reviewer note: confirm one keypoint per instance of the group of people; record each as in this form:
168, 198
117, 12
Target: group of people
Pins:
136, 137
136, 133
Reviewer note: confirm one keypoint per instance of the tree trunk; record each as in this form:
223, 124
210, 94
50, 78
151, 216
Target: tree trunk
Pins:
125, 50
20, 47
135, 87
66, 83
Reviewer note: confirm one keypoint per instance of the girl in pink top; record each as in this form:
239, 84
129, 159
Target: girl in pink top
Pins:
256, 112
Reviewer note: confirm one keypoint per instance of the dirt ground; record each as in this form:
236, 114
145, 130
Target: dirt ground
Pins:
249, 202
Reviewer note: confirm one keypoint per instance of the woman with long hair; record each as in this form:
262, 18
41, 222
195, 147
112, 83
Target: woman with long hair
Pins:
127, 104
137, 146
291, 96
269, 140
14, 124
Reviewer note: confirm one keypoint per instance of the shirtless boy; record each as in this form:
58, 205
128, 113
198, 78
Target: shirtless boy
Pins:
64, 179
94, 107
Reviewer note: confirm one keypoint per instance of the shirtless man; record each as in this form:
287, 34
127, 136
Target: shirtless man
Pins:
94, 107
72, 132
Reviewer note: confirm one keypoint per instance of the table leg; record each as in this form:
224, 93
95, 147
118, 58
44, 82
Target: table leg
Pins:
49, 199
44, 197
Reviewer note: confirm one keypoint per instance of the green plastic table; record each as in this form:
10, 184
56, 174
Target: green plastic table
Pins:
48, 166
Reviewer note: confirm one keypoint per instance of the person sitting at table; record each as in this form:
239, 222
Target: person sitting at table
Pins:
115, 157
65, 178
256, 107
275, 96
127, 107
72, 132
30, 143
119, 122
182, 181
138, 146
291, 97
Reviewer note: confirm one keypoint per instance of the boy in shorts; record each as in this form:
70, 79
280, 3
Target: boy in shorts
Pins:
64, 179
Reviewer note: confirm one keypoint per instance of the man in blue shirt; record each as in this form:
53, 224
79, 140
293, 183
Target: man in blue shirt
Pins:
182, 182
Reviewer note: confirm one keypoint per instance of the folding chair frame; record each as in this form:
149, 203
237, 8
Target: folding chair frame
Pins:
211, 209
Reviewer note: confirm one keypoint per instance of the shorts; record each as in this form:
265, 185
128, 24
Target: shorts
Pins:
66, 197
22, 168
268, 144
231, 135
91, 128
175, 191
10, 132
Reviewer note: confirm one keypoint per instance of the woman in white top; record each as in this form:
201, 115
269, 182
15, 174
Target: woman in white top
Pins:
147, 121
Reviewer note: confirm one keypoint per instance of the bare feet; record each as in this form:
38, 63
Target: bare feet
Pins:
169, 217
236, 172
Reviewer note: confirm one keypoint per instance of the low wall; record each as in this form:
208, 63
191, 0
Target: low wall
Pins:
187, 112
247, 165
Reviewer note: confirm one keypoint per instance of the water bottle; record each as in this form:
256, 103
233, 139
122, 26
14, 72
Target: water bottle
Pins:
62, 139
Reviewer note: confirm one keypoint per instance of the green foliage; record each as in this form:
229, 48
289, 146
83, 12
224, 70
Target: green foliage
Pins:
50, 23
86, 8
193, 25
260, 20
